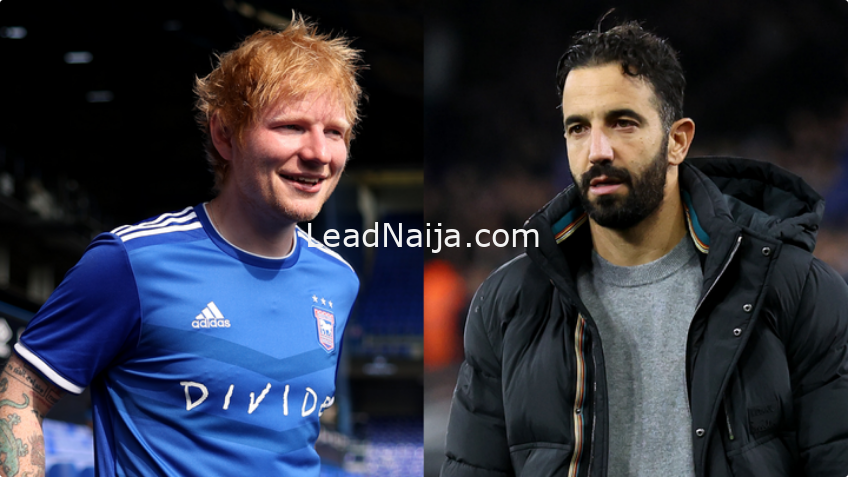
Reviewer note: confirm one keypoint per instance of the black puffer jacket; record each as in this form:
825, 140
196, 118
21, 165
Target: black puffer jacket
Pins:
767, 352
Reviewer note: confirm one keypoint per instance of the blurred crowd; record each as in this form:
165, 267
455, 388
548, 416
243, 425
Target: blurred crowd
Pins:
26, 188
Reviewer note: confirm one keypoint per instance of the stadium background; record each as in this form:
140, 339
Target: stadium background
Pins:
766, 80
87, 146
97, 130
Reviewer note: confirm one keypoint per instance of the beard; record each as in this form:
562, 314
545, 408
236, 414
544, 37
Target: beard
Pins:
644, 196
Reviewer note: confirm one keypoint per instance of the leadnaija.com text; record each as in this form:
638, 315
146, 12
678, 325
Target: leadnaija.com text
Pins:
430, 238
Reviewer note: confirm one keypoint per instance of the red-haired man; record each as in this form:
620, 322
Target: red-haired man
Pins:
210, 336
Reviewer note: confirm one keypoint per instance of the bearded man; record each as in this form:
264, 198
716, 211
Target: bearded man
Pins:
672, 320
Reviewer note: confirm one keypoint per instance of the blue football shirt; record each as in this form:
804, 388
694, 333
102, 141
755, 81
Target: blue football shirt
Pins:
203, 359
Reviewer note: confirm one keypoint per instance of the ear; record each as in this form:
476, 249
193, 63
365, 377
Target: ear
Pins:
679, 139
222, 137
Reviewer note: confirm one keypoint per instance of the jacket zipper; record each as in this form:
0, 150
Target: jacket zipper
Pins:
703, 299
594, 420
723, 269
727, 417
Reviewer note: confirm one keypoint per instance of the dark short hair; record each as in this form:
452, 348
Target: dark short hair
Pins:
640, 54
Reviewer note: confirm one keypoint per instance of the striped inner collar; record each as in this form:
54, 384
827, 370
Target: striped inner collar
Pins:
571, 221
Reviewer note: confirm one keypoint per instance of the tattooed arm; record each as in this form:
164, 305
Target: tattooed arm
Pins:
25, 398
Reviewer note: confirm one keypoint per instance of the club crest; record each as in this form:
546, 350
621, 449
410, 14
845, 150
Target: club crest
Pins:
326, 326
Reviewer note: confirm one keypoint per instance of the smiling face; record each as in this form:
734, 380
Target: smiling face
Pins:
288, 162
617, 147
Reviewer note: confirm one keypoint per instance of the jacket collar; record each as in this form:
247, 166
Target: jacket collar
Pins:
758, 196
718, 207
576, 217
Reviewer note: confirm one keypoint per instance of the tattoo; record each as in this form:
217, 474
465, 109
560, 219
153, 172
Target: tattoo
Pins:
36, 444
11, 448
32, 380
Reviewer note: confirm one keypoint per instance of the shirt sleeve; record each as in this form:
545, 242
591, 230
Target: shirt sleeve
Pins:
91, 318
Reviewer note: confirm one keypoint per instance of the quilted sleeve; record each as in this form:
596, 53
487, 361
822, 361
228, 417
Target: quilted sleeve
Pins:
818, 360
476, 443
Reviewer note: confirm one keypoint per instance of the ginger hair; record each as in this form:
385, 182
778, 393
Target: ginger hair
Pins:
273, 66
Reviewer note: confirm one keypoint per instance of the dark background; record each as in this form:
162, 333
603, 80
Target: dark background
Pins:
72, 166
141, 153
766, 80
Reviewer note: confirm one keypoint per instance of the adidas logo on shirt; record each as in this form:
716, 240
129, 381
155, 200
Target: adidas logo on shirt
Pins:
210, 317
